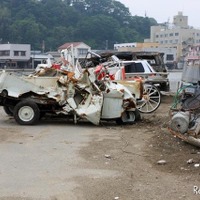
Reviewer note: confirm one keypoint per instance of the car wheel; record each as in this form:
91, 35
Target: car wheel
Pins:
8, 110
137, 115
128, 117
164, 87
26, 113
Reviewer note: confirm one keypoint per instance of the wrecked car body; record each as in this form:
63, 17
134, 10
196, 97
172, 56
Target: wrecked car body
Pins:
158, 75
28, 98
148, 96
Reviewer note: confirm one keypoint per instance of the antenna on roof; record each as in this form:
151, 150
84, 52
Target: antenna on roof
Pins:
145, 13
167, 23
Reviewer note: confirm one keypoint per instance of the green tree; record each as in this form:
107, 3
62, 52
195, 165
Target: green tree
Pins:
4, 24
26, 31
99, 23
100, 28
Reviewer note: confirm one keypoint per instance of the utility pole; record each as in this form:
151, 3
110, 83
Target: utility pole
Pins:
106, 44
43, 46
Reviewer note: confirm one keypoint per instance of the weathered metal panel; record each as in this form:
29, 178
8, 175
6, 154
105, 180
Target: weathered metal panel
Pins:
42, 81
134, 86
112, 108
91, 109
16, 86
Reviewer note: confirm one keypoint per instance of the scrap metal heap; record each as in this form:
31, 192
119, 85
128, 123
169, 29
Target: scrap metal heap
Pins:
185, 112
66, 91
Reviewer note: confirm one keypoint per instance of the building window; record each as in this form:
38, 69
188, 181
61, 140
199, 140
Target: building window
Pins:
16, 53
82, 52
170, 57
176, 34
23, 53
166, 35
4, 53
171, 34
13, 64
157, 36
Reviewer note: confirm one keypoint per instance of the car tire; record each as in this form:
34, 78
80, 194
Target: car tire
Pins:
128, 117
164, 87
137, 115
26, 113
8, 110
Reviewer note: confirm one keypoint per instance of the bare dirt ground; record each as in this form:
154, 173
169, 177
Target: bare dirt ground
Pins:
109, 162
133, 152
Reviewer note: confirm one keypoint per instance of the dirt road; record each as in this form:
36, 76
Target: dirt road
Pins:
60, 161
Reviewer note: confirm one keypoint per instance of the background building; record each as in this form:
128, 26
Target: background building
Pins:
80, 49
124, 45
14, 55
37, 57
169, 57
136, 46
193, 56
20, 56
178, 35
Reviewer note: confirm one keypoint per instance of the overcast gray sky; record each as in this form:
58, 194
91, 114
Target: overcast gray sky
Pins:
164, 10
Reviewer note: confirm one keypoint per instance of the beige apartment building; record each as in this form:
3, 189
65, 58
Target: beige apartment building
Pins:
177, 35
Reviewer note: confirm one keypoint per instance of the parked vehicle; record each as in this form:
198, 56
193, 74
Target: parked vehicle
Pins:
144, 69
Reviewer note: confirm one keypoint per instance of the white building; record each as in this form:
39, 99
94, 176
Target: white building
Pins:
124, 45
14, 55
80, 49
37, 57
